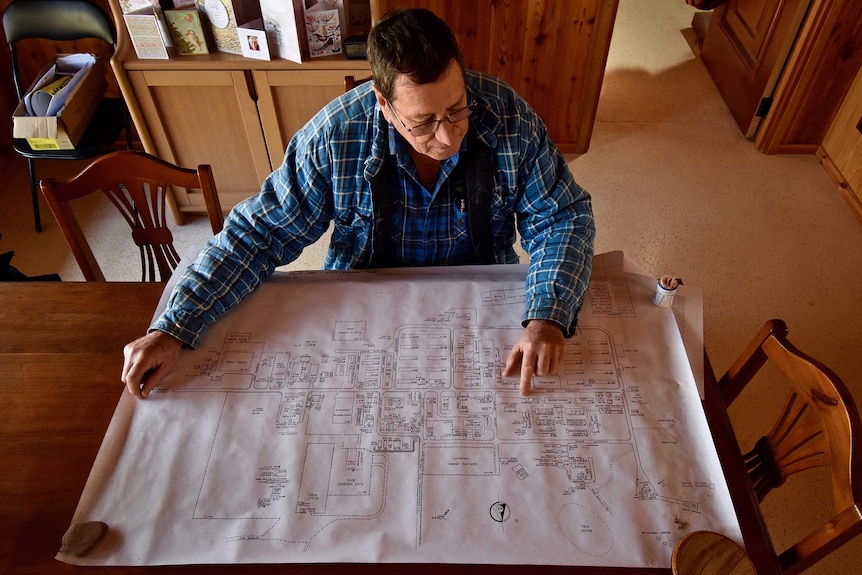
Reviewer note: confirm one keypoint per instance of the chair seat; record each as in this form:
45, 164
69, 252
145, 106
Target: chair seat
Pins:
710, 553
104, 129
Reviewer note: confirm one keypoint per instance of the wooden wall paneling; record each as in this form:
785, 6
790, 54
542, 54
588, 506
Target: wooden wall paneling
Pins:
561, 64
470, 26
505, 41
540, 37
594, 73
841, 152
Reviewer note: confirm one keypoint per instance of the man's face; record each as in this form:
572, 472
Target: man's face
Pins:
416, 104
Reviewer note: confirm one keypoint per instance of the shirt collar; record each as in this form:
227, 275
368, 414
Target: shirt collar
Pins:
379, 144
484, 124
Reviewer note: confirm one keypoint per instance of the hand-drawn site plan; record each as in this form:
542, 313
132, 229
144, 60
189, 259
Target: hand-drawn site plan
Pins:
362, 417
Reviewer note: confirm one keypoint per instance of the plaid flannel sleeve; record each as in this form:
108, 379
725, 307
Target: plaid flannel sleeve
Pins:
557, 230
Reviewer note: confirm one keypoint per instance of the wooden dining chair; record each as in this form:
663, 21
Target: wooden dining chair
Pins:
351, 82
819, 425
137, 184
709, 553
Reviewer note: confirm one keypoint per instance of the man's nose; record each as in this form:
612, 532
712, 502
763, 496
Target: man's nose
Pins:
445, 133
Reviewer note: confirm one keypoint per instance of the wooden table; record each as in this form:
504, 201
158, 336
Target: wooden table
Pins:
60, 361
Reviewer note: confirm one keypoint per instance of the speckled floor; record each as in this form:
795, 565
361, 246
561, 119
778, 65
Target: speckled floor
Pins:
679, 190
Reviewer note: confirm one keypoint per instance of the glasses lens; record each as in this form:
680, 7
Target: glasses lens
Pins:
431, 127
424, 129
461, 115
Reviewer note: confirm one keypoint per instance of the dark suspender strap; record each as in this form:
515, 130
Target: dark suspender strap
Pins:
480, 189
472, 180
382, 202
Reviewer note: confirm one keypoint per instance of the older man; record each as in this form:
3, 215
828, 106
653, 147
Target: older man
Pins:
428, 165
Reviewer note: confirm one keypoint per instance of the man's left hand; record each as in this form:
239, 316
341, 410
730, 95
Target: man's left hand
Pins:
537, 352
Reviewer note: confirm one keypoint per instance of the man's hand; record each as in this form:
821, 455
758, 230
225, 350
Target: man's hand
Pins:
537, 352
148, 360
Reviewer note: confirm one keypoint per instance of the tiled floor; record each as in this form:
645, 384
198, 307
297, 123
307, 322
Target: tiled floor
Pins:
679, 190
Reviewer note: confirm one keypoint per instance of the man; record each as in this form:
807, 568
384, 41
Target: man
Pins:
429, 165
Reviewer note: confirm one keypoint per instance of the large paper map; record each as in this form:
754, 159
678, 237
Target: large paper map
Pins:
362, 417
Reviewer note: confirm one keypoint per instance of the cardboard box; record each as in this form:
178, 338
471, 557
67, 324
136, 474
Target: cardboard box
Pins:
64, 131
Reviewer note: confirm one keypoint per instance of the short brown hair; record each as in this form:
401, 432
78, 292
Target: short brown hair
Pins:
414, 42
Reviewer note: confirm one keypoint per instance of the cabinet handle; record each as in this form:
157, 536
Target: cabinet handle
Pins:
249, 83
859, 125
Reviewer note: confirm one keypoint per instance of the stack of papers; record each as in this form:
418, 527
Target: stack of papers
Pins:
48, 97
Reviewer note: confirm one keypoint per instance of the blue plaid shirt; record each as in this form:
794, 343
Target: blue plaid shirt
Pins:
325, 178
428, 226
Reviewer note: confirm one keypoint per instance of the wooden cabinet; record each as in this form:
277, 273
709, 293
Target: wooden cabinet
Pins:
228, 114
841, 151
234, 113
287, 99
204, 116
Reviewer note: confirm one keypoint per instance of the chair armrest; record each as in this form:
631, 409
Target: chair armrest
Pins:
752, 359
822, 541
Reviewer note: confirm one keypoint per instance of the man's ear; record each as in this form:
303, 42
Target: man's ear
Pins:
381, 101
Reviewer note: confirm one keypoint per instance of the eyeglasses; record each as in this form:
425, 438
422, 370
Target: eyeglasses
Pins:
430, 127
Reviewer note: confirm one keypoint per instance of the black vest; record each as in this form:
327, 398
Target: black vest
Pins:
472, 182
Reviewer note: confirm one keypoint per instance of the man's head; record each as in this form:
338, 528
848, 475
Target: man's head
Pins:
419, 81
414, 43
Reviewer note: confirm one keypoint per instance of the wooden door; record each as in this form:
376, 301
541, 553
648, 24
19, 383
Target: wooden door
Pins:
745, 48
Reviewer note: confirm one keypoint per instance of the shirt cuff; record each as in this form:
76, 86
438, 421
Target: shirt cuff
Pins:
183, 326
555, 311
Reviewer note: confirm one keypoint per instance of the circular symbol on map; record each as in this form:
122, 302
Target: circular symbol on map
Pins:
499, 511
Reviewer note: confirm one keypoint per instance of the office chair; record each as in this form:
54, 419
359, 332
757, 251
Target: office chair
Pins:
65, 21
819, 425
137, 184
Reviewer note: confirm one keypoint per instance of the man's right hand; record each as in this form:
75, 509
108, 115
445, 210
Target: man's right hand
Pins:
148, 360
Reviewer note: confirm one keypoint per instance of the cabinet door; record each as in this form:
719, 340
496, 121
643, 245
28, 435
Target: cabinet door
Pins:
205, 117
287, 99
